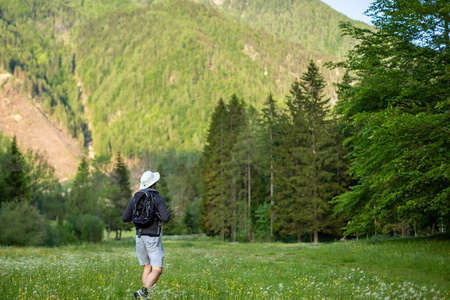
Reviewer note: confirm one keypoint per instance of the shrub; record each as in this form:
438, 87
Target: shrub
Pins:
21, 224
89, 228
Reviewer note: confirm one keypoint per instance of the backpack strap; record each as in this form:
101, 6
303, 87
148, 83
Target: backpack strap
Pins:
157, 217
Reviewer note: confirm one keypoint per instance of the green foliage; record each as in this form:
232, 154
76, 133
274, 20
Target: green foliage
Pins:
88, 228
120, 194
121, 178
21, 224
397, 112
226, 171
16, 181
24, 176
305, 180
262, 223
213, 170
163, 188
29, 200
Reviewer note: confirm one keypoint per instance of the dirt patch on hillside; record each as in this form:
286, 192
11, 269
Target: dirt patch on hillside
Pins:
20, 117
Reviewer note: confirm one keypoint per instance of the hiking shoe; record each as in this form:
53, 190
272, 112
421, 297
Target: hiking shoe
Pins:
140, 294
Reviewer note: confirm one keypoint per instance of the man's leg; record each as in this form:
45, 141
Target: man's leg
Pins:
152, 276
144, 293
147, 270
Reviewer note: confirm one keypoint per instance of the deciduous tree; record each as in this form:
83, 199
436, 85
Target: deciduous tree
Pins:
398, 108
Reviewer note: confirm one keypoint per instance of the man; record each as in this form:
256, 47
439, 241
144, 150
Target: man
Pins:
149, 248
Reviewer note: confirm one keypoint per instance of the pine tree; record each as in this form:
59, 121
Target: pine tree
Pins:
120, 195
163, 189
183, 188
120, 177
269, 134
213, 200
290, 210
235, 168
17, 183
81, 201
309, 142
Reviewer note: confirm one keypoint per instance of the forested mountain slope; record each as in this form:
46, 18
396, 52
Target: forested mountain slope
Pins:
152, 71
153, 90
311, 23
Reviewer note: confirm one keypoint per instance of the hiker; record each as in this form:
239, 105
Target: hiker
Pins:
147, 209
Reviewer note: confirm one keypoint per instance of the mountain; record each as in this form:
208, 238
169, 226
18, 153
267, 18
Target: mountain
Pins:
142, 77
154, 90
310, 23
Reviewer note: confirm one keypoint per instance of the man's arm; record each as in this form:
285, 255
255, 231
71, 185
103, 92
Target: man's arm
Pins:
128, 213
163, 212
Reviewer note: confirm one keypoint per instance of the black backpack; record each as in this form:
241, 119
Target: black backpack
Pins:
144, 213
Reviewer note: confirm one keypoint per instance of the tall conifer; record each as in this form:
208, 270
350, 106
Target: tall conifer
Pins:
235, 168
308, 148
120, 177
16, 179
80, 198
269, 138
163, 189
214, 184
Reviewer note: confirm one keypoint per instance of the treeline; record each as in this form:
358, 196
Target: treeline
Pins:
394, 101
392, 124
274, 172
37, 210
294, 169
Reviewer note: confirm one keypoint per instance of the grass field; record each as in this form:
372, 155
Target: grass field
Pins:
205, 268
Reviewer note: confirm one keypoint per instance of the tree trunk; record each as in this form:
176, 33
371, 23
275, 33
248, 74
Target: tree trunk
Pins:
233, 227
272, 203
316, 237
109, 225
249, 219
403, 229
415, 230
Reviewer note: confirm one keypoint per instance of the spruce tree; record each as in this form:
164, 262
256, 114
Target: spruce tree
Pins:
120, 195
120, 177
308, 147
16, 181
235, 168
269, 135
290, 207
81, 201
163, 189
214, 180
243, 166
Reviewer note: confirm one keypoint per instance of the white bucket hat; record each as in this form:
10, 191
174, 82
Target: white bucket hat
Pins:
148, 179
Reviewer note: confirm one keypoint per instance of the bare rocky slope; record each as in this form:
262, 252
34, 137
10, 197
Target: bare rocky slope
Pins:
20, 116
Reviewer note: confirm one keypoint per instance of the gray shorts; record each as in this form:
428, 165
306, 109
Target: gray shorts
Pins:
150, 251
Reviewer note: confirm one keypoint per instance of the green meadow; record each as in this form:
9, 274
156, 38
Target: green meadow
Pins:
206, 268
